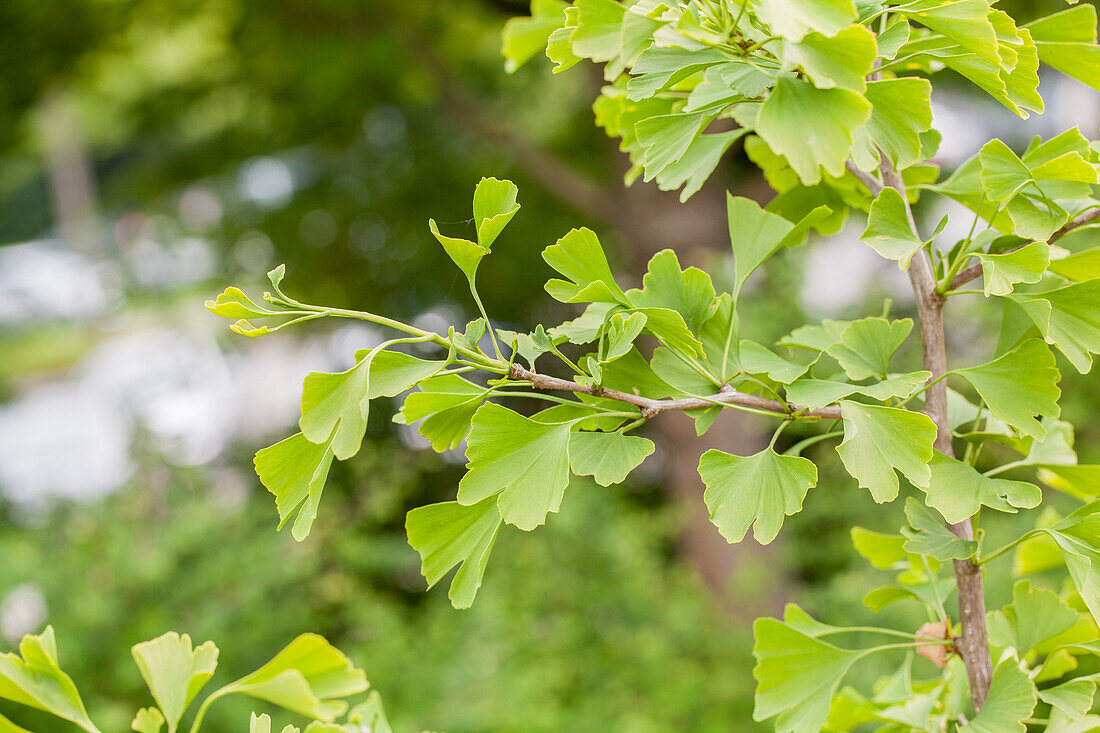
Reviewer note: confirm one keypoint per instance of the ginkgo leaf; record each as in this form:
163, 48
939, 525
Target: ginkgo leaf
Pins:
840, 61
964, 21
494, 206
34, 678
445, 404
464, 253
1079, 266
689, 292
233, 303
1066, 41
525, 37
295, 470
579, 257
758, 359
657, 68
1075, 537
1080, 481
1003, 173
669, 327
1018, 386
797, 676
665, 139
881, 550
812, 128
1026, 265
926, 535
621, 331
757, 490
450, 534
867, 345
523, 461
880, 440
175, 672
146, 720
1010, 702
888, 231
957, 490
309, 677
901, 110
1035, 615
370, 715
815, 393
607, 457
394, 372
793, 19
693, 168
755, 235
335, 407
1069, 318
1074, 698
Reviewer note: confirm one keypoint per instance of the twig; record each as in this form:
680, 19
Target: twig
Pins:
652, 407
975, 271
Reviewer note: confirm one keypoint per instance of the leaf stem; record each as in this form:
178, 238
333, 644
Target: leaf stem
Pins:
997, 553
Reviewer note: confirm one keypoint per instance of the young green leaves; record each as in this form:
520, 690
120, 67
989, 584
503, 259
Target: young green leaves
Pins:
881, 440
494, 206
175, 672
34, 678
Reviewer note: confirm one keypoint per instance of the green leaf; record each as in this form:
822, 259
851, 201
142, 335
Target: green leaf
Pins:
1003, 173
1019, 385
884, 551
309, 677
370, 715
147, 720
608, 457
233, 303
34, 678
1075, 537
689, 292
585, 328
1069, 318
174, 672
464, 253
814, 393
1035, 615
867, 345
1079, 267
888, 231
1082, 482
1010, 702
450, 534
446, 404
394, 372
697, 163
1066, 41
964, 21
523, 461
880, 440
494, 206
599, 28
726, 83
294, 470
669, 327
658, 68
842, 60
811, 127
523, 38
797, 676
1025, 265
757, 490
755, 235
758, 359
579, 257
622, 329
901, 110
957, 490
1074, 698
335, 407
793, 19
926, 535
665, 138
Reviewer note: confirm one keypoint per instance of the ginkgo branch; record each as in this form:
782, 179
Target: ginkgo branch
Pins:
975, 271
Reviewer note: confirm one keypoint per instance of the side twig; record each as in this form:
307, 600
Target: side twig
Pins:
652, 407
975, 271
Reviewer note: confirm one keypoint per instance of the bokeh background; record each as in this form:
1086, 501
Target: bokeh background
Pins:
154, 151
